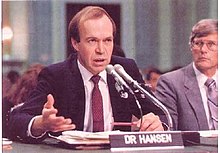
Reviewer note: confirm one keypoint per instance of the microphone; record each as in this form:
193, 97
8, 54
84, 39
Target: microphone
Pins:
110, 70
120, 70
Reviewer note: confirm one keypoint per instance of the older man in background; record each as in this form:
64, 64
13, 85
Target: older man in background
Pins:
190, 93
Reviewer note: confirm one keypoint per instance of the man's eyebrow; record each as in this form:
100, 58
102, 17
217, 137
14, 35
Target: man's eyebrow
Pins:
110, 37
92, 37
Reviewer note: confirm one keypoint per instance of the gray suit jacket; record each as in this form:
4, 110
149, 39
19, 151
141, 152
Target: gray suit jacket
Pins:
179, 92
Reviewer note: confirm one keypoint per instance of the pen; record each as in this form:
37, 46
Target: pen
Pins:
124, 123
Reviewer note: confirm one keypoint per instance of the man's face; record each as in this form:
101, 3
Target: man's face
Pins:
96, 44
153, 80
205, 59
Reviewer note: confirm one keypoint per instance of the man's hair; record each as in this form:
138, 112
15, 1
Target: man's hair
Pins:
152, 70
89, 12
203, 28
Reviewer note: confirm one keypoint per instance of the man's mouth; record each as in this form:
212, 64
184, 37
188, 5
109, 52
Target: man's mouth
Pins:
203, 58
99, 60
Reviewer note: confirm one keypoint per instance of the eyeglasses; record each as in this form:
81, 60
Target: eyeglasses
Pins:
211, 45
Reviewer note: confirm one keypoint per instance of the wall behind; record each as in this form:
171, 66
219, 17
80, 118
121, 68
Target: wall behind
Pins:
153, 32
163, 29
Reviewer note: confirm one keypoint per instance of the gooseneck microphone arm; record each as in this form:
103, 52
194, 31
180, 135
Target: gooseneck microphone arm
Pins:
157, 103
120, 70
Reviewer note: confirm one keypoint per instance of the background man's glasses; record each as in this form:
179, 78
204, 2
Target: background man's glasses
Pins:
211, 45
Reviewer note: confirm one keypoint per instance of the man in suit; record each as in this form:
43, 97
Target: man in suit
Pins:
183, 91
62, 98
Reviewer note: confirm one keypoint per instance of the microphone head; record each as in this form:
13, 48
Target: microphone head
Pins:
117, 67
112, 71
121, 71
109, 68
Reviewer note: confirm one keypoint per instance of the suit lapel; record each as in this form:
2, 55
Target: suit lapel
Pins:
77, 95
117, 103
193, 95
113, 93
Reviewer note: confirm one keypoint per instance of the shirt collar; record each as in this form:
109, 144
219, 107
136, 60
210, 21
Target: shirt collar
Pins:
86, 75
202, 77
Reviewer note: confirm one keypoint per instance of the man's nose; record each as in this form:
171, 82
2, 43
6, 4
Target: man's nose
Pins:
204, 48
100, 47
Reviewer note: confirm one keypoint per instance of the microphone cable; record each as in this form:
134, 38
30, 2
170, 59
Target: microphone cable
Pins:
140, 110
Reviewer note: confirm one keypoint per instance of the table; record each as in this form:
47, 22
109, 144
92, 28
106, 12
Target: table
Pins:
208, 145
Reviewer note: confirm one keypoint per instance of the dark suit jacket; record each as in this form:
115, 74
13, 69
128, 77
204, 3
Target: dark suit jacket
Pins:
64, 82
179, 92
6, 108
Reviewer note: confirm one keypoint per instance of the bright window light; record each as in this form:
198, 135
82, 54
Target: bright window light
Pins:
7, 33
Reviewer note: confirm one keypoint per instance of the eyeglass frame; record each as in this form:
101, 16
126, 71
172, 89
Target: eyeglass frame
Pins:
207, 43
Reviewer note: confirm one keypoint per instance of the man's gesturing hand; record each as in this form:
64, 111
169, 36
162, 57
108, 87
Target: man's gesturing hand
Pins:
48, 121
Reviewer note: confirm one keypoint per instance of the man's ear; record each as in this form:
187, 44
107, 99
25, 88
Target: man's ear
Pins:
75, 44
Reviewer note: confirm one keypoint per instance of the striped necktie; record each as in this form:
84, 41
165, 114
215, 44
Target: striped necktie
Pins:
213, 101
97, 106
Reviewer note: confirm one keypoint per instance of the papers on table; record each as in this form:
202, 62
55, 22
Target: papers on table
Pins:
6, 141
85, 138
209, 133
6, 144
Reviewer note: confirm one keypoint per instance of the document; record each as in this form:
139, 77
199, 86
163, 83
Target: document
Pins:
85, 138
209, 133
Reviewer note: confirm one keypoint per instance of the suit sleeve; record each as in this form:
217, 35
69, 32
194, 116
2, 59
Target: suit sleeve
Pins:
20, 117
166, 94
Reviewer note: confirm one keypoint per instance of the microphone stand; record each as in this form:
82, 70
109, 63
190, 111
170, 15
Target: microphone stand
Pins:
156, 102
138, 105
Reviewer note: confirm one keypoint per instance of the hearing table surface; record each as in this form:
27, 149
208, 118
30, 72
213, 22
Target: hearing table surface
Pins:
52, 146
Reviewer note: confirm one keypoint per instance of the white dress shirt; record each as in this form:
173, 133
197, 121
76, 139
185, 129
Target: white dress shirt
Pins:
103, 86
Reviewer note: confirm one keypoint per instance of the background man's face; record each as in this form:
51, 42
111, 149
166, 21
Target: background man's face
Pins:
204, 58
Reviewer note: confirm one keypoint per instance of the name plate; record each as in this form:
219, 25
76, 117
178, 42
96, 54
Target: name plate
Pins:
146, 140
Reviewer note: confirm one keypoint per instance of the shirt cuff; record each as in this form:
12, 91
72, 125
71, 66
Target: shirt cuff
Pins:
29, 129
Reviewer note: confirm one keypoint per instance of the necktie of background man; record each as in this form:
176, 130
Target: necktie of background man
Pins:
213, 101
